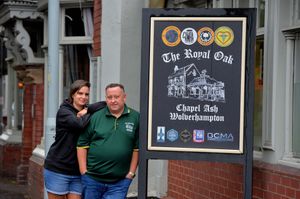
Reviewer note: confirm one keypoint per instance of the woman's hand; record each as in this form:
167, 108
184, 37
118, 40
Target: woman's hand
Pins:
82, 112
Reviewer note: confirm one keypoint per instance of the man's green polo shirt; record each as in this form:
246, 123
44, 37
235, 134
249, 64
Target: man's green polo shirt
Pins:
110, 142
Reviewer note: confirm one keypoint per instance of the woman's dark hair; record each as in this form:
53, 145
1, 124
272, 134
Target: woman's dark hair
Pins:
77, 85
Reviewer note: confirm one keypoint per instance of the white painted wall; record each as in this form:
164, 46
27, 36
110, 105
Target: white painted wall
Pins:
121, 33
121, 46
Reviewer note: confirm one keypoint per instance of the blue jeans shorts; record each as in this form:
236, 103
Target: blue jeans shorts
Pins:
93, 189
61, 184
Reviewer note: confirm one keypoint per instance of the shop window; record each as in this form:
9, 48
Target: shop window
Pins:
258, 93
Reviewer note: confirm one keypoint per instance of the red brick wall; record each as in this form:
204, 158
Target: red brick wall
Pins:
33, 126
36, 178
97, 28
9, 159
26, 135
212, 180
38, 115
33, 138
275, 182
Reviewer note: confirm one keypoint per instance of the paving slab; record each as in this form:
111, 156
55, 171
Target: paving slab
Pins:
9, 189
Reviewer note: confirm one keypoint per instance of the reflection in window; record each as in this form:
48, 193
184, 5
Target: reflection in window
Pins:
258, 93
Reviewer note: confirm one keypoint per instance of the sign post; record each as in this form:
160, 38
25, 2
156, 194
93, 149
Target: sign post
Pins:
197, 88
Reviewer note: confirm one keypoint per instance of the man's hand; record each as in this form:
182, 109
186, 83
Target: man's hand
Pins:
130, 175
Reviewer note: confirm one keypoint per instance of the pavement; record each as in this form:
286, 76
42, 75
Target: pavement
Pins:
9, 189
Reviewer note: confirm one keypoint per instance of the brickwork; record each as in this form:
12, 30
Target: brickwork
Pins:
275, 181
38, 115
33, 127
9, 159
97, 28
34, 164
212, 180
26, 135
36, 178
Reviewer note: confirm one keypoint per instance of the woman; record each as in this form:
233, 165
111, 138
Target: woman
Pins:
61, 170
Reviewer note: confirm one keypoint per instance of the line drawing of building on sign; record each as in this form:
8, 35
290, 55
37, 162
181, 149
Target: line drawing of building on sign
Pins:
187, 82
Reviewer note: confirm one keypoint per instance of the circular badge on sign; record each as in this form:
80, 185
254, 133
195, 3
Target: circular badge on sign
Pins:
206, 36
171, 36
224, 36
189, 36
172, 135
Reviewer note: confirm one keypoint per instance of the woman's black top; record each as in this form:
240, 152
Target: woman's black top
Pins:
62, 155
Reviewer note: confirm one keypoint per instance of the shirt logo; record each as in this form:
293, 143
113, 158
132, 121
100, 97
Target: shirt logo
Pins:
129, 126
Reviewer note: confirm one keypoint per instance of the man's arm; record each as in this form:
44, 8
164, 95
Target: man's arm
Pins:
133, 164
81, 156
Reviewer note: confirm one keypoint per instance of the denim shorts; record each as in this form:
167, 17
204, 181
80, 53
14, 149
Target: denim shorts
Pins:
94, 189
61, 184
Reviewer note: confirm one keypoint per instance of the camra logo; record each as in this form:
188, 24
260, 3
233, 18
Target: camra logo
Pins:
206, 36
224, 36
171, 36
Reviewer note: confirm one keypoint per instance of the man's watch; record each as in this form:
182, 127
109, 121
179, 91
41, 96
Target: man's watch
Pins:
132, 174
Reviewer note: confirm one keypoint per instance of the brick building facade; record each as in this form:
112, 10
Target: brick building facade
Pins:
273, 177
206, 180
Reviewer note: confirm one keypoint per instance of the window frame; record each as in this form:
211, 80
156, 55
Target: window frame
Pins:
66, 40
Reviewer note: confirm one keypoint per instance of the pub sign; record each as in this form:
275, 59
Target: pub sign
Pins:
196, 84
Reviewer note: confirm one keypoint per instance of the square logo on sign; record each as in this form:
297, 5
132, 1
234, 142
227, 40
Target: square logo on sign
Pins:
161, 134
198, 136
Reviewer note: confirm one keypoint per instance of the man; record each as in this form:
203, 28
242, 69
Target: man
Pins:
108, 149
